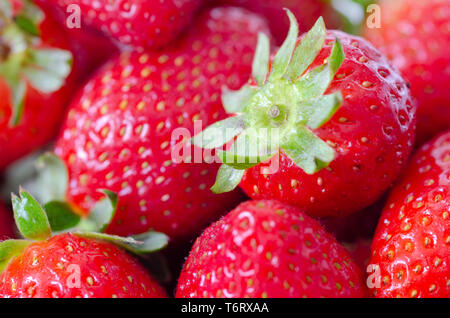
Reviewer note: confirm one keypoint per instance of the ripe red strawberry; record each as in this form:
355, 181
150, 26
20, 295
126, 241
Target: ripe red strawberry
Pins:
69, 265
268, 249
412, 242
415, 35
146, 23
6, 224
45, 269
306, 11
332, 128
118, 132
34, 65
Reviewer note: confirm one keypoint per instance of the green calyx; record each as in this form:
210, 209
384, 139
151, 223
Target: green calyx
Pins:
279, 113
39, 222
23, 62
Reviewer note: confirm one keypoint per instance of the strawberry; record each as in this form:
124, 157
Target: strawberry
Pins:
43, 270
268, 249
415, 35
315, 126
34, 77
306, 12
68, 265
143, 23
118, 134
411, 246
6, 224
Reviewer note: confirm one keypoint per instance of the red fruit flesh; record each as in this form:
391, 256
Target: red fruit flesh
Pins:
49, 270
268, 249
118, 132
415, 35
372, 134
412, 241
42, 113
6, 224
149, 24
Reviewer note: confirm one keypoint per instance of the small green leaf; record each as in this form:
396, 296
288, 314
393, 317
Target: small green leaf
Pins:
9, 249
283, 57
32, 12
227, 179
140, 244
61, 216
235, 101
26, 24
48, 70
219, 133
337, 57
314, 83
30, 217
307, 150
261, 59
104, 211
18, 91
307, 51
153, 241
251, 147
318, 112
52, 179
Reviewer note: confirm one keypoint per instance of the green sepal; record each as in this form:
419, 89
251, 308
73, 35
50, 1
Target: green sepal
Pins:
31, 218
250, 148
48, 69
336, 58
10, 249
101, 214
148, 242
18, 91
227, 179
27, 25
52, 179
283, 57
61, 216
307, 51
307, 150
318, 112
219, 133
235, 101
32, 12
314, 83
261, 61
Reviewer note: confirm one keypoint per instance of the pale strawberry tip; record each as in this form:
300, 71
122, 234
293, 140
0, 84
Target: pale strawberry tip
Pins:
280, 112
